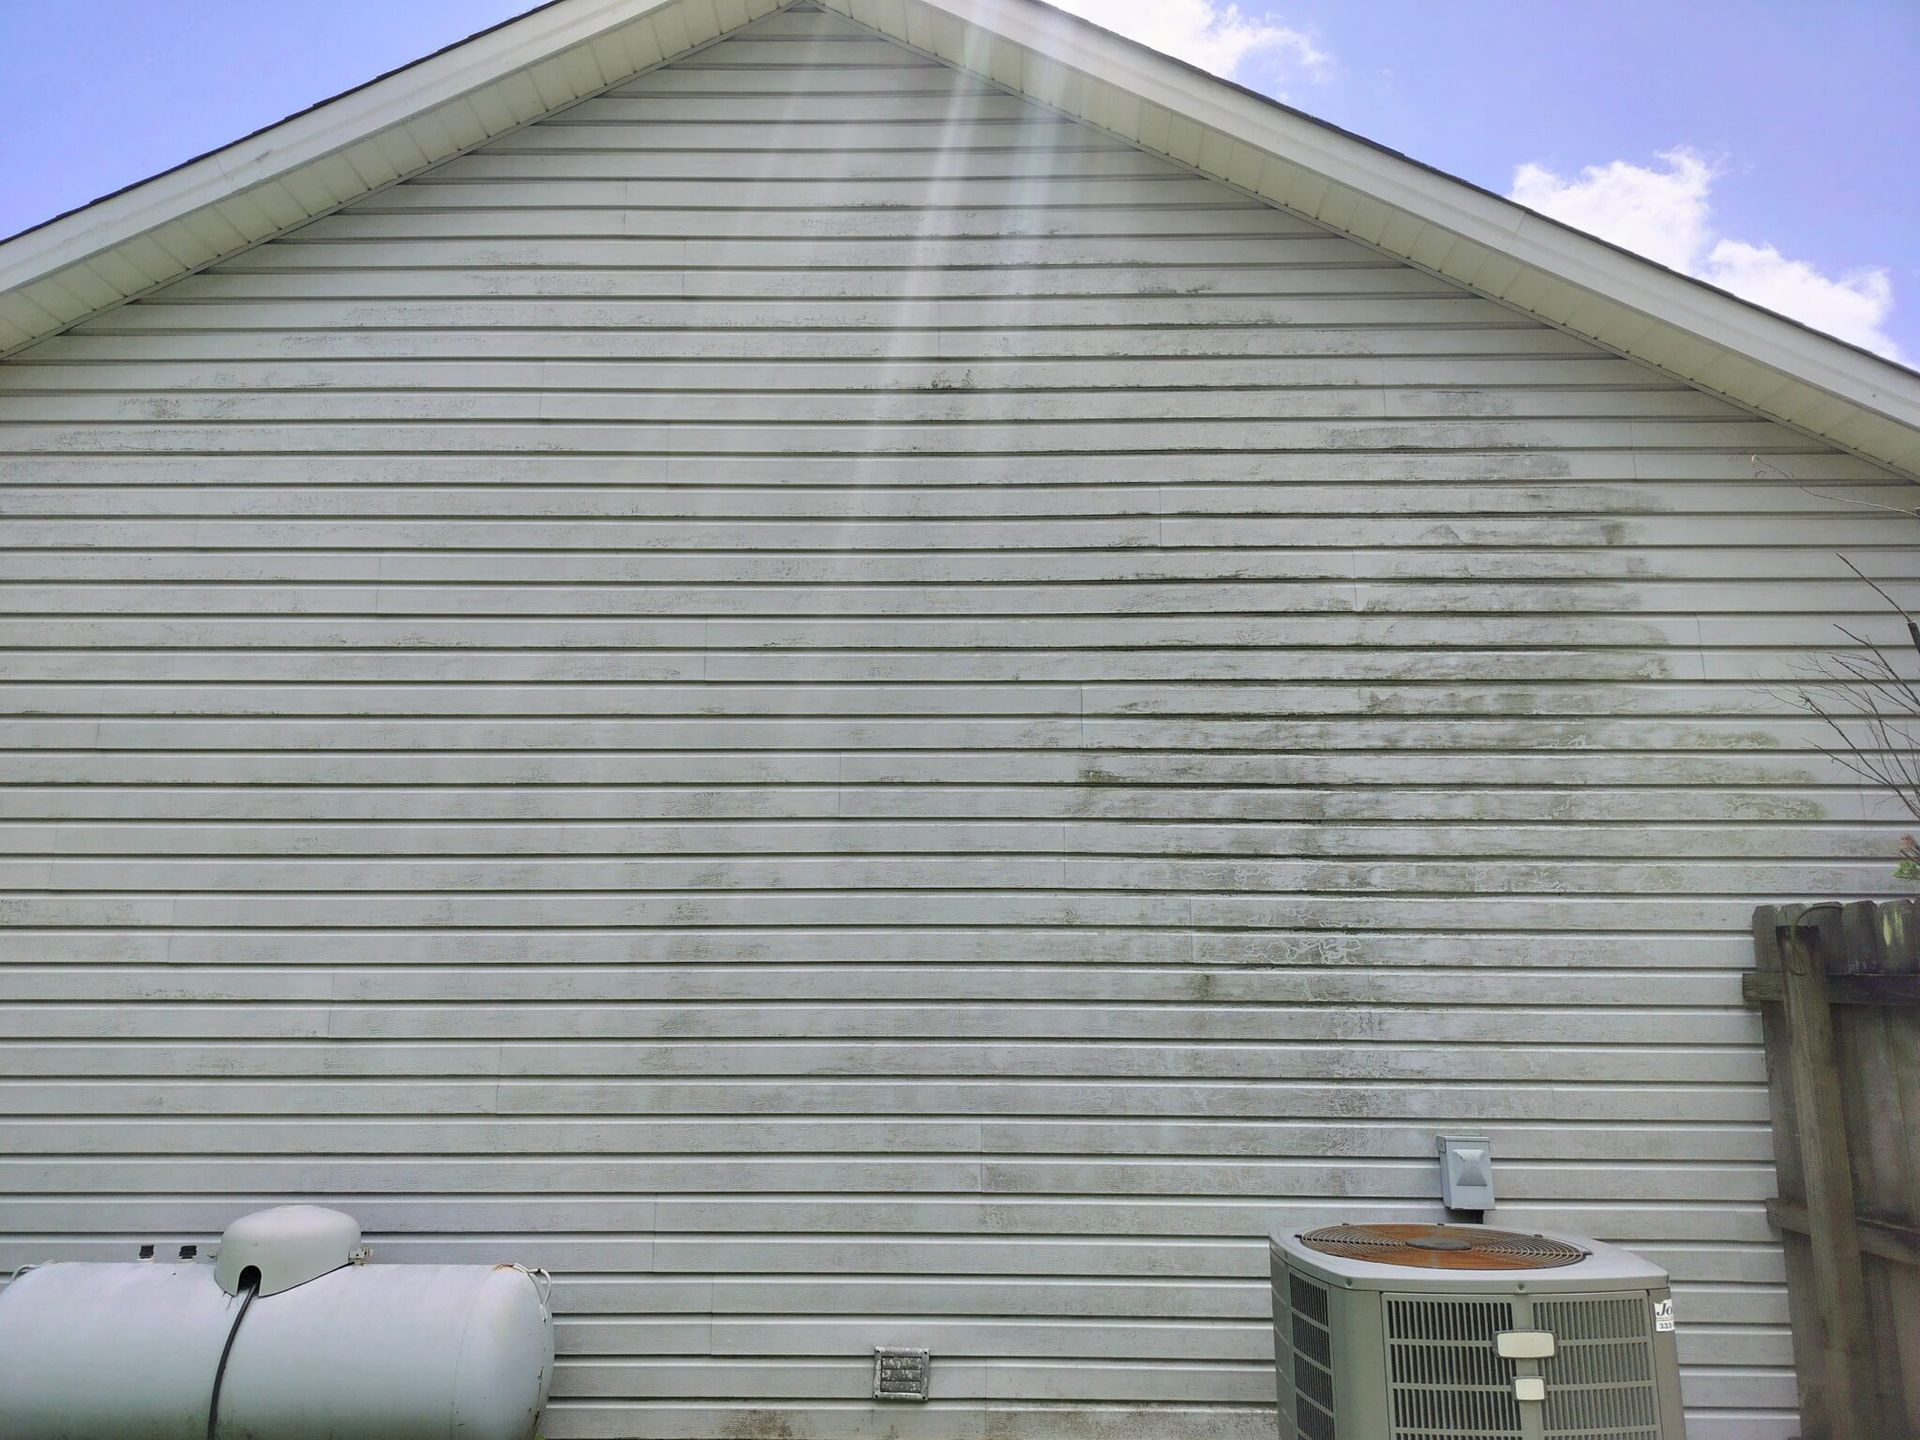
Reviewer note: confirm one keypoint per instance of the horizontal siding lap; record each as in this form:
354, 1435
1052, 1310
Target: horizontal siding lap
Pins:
23, 591
853, 1137
850, 713
409, 837
1617, 821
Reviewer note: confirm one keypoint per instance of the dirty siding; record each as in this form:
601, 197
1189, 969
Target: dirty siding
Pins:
852, 714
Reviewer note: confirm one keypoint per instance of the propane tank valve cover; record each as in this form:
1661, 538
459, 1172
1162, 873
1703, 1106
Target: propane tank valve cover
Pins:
286, 1246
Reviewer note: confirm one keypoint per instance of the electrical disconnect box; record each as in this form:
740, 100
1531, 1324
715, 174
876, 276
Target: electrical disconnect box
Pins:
1466, 1173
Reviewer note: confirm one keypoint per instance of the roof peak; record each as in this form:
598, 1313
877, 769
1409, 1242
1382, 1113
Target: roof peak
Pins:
132, 242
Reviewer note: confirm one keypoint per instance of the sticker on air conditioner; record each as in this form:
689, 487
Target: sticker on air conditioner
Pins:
1663, 1315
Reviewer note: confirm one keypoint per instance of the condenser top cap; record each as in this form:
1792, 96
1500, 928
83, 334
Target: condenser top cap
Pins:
1444, 1247
1492, 1260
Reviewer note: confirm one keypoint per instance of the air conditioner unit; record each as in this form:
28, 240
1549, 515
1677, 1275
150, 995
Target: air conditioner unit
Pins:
1460, 1332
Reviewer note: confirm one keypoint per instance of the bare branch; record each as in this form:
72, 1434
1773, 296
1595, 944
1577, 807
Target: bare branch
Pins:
1864, 504
1913, 629
1870, 709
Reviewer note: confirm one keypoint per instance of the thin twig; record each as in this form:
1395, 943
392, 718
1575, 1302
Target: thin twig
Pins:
1849, 500
1869, 707
1913, 629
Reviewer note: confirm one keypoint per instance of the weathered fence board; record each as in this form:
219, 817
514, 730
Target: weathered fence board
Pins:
1841, 989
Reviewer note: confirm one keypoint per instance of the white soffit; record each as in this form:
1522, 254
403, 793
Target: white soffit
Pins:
130, 243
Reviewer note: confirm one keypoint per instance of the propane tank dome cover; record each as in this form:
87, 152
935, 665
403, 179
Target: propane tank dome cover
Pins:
288, 1245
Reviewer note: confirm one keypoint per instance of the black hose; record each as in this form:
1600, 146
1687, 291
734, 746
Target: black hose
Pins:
249, 1286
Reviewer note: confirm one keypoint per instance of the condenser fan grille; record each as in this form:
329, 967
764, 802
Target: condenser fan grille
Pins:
1443, 1247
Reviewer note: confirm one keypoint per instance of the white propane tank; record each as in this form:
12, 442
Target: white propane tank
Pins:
324, 1349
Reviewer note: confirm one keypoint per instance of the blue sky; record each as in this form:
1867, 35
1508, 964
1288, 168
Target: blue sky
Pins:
1765, 144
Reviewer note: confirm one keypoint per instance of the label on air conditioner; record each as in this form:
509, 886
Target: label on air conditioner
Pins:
1663, 1315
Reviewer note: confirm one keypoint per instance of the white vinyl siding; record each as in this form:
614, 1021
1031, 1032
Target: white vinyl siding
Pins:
851, 713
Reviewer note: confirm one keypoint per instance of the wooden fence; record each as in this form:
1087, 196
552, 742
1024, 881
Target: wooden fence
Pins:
1839, 986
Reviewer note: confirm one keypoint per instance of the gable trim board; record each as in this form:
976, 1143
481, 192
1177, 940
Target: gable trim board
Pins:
127, 244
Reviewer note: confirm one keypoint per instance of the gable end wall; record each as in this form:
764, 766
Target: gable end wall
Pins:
852, 714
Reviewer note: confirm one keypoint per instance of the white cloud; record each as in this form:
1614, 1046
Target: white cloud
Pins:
1215, 37
1667, 215
1854, 307
1661, 214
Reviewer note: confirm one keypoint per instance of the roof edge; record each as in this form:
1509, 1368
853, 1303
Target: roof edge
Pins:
280, 177
132, 242
1838, 392
262, 130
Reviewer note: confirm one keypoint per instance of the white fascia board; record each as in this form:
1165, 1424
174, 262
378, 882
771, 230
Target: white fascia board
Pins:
1713, 315
315, 136
1642, 303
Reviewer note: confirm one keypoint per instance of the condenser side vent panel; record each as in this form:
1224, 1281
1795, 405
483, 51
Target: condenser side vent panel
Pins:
1312, 1359
1444, 1376
1600, 1379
